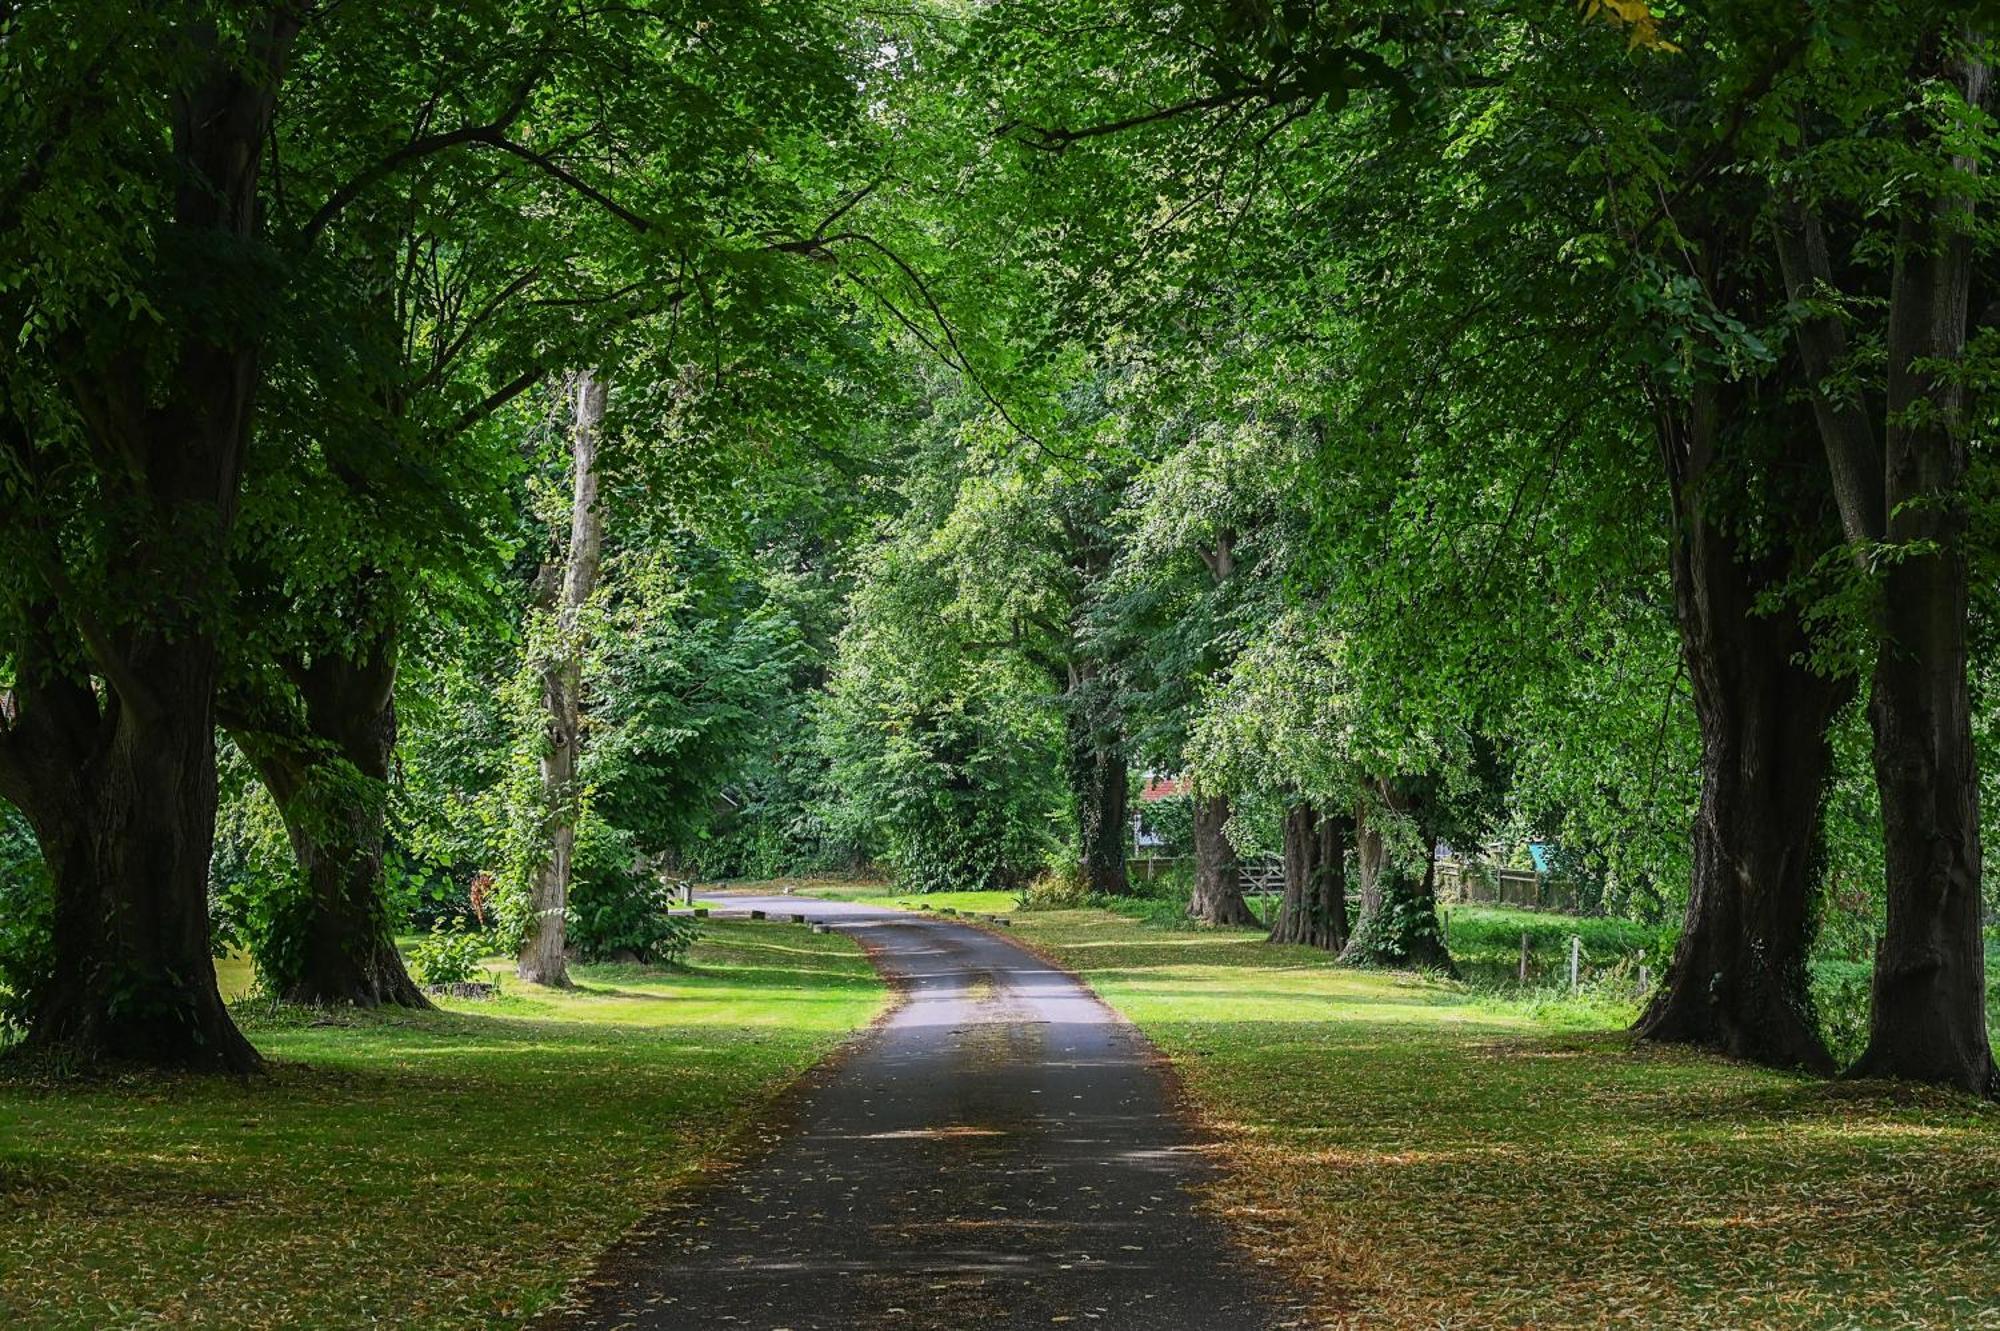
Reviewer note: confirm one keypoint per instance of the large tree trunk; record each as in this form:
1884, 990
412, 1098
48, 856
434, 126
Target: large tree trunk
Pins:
327, 768
1398, 924
1314, 911
1738, 980
1218, 882
1929, 1017
107, 742
126, 833
542, 959
1099, 784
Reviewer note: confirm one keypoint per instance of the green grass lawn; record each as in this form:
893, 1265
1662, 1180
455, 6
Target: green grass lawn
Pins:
1428, 1155
417, 1170
875, 894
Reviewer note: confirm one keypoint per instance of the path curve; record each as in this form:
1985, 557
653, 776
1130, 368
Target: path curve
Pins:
999, 1153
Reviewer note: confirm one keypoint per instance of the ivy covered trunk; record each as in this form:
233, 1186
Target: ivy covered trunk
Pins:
1218, 881
1314, 910
1738, 980
1099, 783
332, 941
1397, 925
564, 592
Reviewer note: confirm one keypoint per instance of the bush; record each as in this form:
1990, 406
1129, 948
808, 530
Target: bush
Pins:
621, 915
449, 956
1057, 889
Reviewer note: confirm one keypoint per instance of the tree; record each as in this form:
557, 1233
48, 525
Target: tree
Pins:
1901, 491
134, 359
562, 594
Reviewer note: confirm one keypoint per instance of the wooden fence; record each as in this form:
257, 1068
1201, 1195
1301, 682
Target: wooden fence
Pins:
1522, 888
1261, 874
1482, 884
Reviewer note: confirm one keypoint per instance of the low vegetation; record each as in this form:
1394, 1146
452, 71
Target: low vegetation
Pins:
416, 1170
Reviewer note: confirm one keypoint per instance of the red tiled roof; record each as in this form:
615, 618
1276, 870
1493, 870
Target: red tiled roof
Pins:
1162, 788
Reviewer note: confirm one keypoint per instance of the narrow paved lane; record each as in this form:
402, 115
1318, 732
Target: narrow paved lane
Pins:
999, 1154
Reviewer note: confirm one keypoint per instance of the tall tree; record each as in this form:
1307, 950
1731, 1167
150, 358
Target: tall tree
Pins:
134, 363
1901, 490
563, 593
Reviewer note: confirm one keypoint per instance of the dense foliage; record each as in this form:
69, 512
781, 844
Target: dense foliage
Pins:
477, 467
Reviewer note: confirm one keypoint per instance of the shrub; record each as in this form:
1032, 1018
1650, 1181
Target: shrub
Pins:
617, 915
1057, 889
449, 956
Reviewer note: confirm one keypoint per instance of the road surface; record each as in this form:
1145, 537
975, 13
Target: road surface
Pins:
1000, 1153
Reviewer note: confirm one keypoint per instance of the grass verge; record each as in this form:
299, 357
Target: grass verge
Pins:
1420, 1154
446, 1170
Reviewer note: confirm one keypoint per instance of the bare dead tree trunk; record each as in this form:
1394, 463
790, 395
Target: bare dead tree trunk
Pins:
542, 959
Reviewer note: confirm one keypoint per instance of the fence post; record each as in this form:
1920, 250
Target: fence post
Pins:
1575, 960
1524, 956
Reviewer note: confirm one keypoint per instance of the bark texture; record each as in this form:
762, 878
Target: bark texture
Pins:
107, 742
1218, 880
1314, 910
1928, 1019
1737, 982
326, 763
127, 833
1929, 1016
542, 959
1397, 925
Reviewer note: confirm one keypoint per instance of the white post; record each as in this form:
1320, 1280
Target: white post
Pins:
1575, 960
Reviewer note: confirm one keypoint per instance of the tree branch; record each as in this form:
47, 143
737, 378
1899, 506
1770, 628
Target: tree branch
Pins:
416, 149
1852, 454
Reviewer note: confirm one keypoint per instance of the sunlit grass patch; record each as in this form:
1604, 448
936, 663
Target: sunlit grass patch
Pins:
434, 1170
1422, 1154
877, 894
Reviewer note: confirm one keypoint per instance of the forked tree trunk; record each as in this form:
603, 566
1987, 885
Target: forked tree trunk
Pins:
1314, 910
1218, 880
1928, 1019
1929, 1015
542, 959
1398, 924
1099, 785
327, 768
1738, 982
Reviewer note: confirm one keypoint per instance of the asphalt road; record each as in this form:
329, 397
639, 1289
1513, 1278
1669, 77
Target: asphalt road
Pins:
999, 1154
